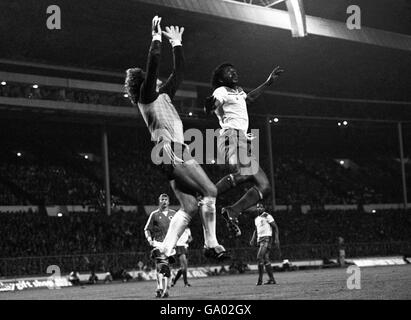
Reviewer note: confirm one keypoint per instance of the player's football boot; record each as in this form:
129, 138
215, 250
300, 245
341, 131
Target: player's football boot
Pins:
159, 293
187, 285
271, 281
217, 253
231, 219
259, 282
164, 295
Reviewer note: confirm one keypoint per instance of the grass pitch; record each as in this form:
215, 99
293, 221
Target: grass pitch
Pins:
389, 282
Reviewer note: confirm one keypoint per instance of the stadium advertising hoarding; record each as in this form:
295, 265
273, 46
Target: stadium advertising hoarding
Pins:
25, 284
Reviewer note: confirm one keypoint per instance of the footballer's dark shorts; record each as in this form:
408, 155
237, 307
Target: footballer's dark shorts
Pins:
164, 269
168, 154
181, 250
263, 254
265, 242
236, 151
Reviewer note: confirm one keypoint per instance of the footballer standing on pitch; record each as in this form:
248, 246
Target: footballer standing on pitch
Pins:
265, 231
155, 231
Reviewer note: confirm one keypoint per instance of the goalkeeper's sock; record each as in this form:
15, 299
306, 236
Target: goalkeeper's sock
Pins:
208, 219
177, 226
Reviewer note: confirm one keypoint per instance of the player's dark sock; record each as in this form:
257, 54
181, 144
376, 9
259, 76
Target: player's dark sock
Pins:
178, 275
251, 197
159, 292
185, 277
269, 270
225, 184
260, 272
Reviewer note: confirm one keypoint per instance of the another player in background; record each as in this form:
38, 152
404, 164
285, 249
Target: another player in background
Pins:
155, 231
163, 275
265, 231
187, 178
181, 253
229, 102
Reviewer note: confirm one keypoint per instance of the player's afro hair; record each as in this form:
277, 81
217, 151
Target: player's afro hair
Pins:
133, 82
217, 73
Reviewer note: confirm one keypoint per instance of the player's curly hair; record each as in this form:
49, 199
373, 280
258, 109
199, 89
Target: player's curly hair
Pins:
216, 80
133, 82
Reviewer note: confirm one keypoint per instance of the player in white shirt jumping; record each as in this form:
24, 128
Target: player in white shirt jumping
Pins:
229, 102
265, 231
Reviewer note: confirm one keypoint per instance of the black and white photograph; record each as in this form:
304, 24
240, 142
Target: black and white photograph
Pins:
205, 155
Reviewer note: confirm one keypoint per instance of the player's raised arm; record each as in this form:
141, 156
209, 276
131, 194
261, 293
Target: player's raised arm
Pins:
148, 89
175, 35
253, 95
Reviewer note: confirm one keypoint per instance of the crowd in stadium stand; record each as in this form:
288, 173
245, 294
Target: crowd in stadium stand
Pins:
54, 185
135, 180
297, 181
30, 91
32, 234
28, 234
64, 177
324, 181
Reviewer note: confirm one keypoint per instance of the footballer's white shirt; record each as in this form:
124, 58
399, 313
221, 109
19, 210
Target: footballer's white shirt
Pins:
231, 108
183, 240
262, 224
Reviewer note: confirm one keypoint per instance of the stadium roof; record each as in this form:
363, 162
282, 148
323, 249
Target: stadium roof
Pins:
114, 35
